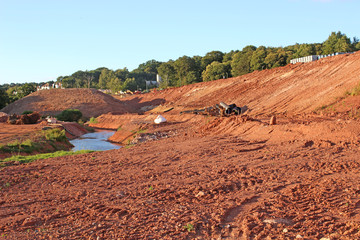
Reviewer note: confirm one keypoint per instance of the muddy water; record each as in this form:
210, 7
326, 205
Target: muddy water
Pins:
94, 141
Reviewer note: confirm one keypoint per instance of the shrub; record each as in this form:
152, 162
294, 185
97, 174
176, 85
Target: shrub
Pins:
55, 134
93, 120
69, 115
30, 118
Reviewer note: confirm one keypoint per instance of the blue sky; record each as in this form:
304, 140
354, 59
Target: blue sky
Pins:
43, 39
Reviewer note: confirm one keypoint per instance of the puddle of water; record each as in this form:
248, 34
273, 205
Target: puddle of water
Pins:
96, 141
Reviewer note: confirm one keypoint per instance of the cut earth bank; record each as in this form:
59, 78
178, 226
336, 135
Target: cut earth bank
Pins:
208, 177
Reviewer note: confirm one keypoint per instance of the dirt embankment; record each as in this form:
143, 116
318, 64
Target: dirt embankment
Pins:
291, 89
202, 177
90, 102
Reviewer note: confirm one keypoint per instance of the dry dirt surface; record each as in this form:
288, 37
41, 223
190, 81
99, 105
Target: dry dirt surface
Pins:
90, 102
203, 177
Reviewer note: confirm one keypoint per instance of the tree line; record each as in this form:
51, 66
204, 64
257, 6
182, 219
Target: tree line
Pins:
214, 65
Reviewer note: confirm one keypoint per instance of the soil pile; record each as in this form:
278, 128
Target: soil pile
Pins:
90, 102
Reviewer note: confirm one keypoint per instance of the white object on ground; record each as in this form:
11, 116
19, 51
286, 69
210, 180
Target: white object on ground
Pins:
159, 119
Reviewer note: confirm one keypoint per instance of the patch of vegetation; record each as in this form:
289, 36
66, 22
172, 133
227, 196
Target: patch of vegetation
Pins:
27, 112
26, 146
27, 159
37, 142
355, 91
55, 135
189, 227
140, 130
69, 115
89, 129
93, 120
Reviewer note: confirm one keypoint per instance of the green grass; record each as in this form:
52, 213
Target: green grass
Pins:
189, 227
355, 91
26, 146
27, 159
55, 135
93, 120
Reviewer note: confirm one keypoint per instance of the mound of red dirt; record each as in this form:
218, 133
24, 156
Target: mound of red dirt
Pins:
90, 102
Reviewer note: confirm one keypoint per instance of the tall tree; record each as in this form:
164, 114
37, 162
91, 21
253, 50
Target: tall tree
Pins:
105, 78
168, 74
216, 70
257, 61
211, 57
240, 64
26, 89
186, 71
337, 42
4, 98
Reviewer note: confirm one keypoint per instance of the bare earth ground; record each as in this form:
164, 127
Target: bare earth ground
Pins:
200, 177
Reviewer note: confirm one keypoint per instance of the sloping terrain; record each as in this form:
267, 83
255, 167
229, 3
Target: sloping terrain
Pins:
291, 89
90, 102
204, 177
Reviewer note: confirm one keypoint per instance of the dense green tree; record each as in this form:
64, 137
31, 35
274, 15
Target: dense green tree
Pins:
275, 57
211, 57
305, 50
26, 89
240, 64
357, 46
216, 70
114, 85
229, 56
105, 78
68, 82
337, 42
4, 98
130, 84
122, 74
148, 67
186, 71
258, 59
168, 74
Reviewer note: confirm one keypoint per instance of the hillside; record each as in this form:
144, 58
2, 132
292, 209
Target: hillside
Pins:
90, 102
291, 89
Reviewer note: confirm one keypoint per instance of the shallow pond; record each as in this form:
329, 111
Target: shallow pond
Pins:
96, 141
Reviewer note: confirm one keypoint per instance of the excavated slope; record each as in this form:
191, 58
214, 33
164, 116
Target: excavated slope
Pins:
298, 88
90, 102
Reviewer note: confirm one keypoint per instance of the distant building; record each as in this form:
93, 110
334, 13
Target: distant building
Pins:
47, 86
312, 58
150, 84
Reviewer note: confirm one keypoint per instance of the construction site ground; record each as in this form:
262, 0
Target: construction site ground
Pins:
207, 177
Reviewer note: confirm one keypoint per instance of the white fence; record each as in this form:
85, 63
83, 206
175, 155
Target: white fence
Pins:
312, 58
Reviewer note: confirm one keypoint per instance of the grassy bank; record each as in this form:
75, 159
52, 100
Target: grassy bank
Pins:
46, 141
31, 158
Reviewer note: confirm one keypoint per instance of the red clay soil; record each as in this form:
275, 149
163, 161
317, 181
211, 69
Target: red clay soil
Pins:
202, 177
90, 102
291, 89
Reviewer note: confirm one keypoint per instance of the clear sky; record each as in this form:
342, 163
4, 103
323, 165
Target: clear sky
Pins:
41, 40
